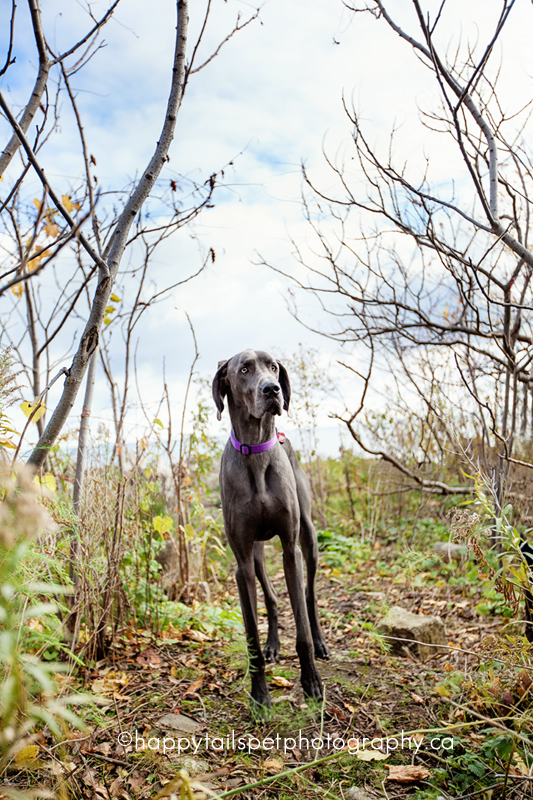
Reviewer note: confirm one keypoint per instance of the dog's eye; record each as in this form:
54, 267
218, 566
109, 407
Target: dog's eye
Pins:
273, 368
244, 369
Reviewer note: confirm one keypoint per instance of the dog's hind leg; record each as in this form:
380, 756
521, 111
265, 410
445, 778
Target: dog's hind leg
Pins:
271, 648
309, 545
294, 576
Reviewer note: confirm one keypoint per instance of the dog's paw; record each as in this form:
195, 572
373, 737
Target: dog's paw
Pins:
312, 686
321, 650
271, 652
260, 705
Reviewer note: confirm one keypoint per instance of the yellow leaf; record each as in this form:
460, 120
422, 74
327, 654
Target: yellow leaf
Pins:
67, 202
371, 755
520, 766
52, 229
162, 524
114, 298
442, 691
27, 755
48, 481
34, 263
110, 309
107, 320
273, 764
158, 422
77, 205
28, 409
110, 683
18, 289
37, 203
144, 443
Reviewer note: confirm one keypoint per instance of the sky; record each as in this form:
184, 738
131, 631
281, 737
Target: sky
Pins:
270, 101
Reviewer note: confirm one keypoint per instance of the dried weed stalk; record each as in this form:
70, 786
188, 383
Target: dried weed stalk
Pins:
471, 528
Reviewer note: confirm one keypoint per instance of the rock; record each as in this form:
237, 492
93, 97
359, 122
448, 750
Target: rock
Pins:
449, 551
178, 722
356, 793
194, 766
425, 631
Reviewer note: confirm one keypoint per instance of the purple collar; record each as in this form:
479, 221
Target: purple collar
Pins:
249, 449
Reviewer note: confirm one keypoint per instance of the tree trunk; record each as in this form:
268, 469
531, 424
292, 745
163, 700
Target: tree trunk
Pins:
90, 338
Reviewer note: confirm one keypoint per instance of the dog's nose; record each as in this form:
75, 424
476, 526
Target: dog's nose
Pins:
271, 389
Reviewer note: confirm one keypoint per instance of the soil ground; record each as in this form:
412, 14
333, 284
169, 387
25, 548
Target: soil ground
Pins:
199, 672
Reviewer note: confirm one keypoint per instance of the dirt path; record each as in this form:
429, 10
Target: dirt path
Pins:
198, 674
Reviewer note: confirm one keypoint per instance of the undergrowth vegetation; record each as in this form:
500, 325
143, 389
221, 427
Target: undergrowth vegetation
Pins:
143, 614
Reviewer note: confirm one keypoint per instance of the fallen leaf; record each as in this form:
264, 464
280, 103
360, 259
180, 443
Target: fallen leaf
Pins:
35, 625
371, 755
194, 687
417, 698
196, 636
110, 683
25, 756
406, 773
520, 767
278, 680
148, 658
273, 764
115, 787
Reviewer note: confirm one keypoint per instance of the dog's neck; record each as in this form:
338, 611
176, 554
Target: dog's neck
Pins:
250, 430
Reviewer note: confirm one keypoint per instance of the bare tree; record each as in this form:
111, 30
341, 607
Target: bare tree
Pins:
55, 239
435, 279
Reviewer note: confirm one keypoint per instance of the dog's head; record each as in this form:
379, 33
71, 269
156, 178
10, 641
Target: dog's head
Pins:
254, 380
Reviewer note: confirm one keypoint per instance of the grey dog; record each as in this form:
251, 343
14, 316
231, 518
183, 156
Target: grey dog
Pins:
265, 492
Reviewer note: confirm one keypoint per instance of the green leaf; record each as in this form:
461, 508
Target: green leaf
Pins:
163, 524
158, 422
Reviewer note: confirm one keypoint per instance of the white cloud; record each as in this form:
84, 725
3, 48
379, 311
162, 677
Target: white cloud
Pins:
275, 93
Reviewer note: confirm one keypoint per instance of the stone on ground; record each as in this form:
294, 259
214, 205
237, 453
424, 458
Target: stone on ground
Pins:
449, 551
419, 632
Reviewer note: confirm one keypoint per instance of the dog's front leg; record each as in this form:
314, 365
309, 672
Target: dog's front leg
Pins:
245, 577
271, 648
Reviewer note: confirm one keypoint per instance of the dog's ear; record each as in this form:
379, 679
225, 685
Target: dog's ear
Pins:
220, 387
285, 384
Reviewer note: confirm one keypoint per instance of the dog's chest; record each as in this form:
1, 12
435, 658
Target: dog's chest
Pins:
263, 489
